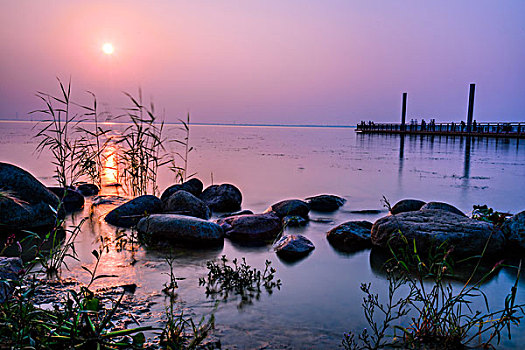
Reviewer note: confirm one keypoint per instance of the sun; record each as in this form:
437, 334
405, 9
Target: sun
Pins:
108, 49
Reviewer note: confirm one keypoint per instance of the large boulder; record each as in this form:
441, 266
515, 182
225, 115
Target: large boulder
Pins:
193, 186
180, 230
406, 205
129, 213
292, 247
222, 198
10, 270
184, 203
290, 207
71, 199
25, 203
350, 236
325, 202
442, 206
514, 230
256, 228
431, 228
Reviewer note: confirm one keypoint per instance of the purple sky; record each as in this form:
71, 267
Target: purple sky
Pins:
289, 62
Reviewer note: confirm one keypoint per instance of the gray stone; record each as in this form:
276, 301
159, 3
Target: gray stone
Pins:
26, 204
180, 230
431, 228
10, 269
442, 206
514, 230
294, 221
325, 202
252, 228
290, 207
184, 203
88, 189
406, 205
350, 236
71, 199
293, 246
193, 186
129, 213
222, 198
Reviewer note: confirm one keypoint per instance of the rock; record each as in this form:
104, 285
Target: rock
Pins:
10, 270
237, 213
350, 236
325, 202
129, 213
222, 198
184, 203
180, 230
71, 199
365, 211
293, 246
251, 228
294, 221
105, 199
442, 206
193, 186
290, 207
514, 230
25, 203
431, 228
88, 189
406, 205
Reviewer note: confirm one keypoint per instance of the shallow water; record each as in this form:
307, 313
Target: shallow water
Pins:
320, 296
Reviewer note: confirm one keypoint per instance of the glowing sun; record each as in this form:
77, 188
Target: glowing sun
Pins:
108, 49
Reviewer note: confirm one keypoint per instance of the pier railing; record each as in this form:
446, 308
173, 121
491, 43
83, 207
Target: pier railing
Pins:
480, 129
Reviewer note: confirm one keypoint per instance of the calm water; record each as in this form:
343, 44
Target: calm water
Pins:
320, 297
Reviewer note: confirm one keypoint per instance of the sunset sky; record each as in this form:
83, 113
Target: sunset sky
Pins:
287, 62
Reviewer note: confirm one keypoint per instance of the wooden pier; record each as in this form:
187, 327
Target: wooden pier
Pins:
470, 128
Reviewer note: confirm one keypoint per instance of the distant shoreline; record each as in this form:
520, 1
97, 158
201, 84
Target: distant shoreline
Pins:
212, 124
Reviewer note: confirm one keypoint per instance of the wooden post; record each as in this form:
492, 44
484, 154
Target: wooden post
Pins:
470, 107
404, 112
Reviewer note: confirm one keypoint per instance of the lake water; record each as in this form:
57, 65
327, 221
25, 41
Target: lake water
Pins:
320, 297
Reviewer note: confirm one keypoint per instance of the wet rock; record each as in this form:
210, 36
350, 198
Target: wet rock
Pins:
108, 199
184, 203
25, 202
431, 228
406, 205
88, 189
290, 207
293, 246
193, 186
365, 211
351, 236
237, 213
294, 221
514, 230
71, 199
325, 202
442, 206
129, 213
180, 230
222, 198
10, 270
251, 228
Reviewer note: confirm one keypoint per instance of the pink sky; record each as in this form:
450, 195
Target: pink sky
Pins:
288, 62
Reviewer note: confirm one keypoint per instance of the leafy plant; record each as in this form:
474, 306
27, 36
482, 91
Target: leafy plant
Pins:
484, 213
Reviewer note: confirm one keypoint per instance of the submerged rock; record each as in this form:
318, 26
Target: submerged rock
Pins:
325, 202
431, 228
129, 213
294, 221
293, 247
406, 205
251, 228
184, 203
351, 236
222, 198
193, 186
290, 207
180, 230
71, 199
10, 269
442, 206
88, 190
514, 230
25, 203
